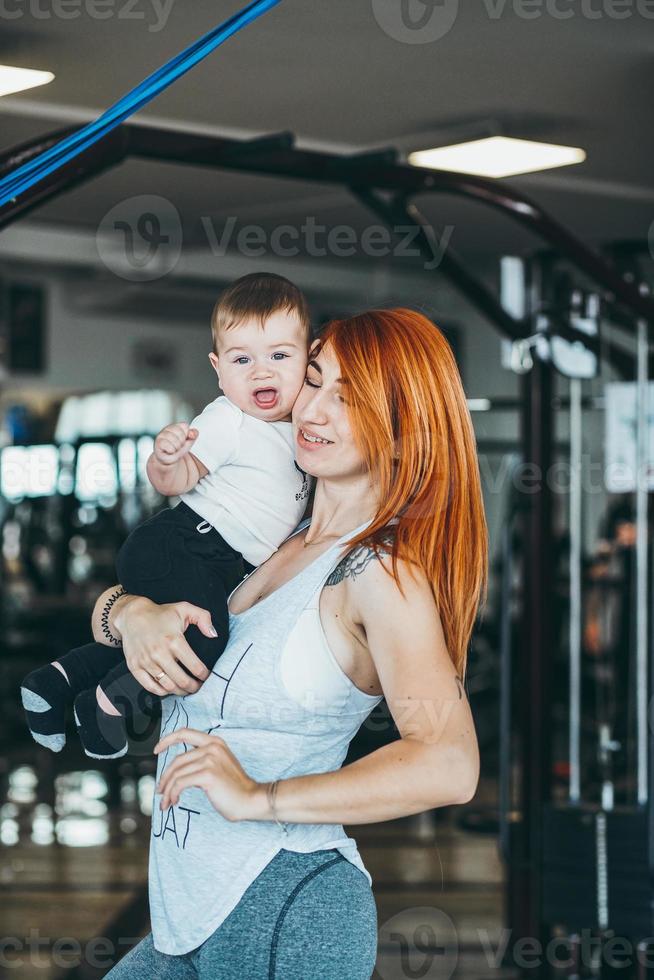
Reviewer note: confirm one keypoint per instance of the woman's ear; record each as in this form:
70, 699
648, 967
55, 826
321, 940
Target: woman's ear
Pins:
215, 364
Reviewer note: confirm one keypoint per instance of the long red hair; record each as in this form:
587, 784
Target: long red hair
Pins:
411, 423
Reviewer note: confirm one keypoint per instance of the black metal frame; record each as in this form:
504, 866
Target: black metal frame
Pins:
386, 186
277, 156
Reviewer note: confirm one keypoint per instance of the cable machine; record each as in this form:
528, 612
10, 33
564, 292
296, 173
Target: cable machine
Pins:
555, 854
584, 860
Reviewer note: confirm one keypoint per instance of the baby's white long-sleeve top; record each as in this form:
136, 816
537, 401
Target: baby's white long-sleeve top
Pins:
254, 494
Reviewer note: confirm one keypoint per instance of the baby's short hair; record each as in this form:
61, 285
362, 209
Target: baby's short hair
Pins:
259, 295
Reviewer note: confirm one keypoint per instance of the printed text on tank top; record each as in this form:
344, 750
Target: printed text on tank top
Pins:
349, 654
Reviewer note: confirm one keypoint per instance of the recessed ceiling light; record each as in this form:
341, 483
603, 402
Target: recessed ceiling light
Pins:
18, 79
498, 156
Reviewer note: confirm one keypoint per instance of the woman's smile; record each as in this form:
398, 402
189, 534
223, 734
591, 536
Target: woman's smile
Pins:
309, 440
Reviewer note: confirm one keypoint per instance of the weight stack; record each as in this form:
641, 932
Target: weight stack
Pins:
596, 871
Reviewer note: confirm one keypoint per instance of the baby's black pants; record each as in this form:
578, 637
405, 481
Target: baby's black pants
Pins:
174, 556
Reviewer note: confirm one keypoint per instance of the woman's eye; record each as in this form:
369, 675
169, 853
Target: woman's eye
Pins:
310, 383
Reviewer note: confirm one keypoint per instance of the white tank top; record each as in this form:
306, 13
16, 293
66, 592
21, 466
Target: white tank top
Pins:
282, 703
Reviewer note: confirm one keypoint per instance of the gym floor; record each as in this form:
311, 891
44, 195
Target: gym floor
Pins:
76, 852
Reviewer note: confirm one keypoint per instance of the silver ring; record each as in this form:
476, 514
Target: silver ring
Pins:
159, 676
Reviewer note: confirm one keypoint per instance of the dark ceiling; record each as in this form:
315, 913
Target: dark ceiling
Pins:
348, 74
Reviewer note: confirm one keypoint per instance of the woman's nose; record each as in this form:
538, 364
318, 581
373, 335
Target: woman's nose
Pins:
315, 409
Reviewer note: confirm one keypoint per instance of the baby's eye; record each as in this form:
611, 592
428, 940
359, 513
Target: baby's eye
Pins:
280, 354
240, 360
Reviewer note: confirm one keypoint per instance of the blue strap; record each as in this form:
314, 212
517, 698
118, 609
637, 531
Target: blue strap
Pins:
30, 173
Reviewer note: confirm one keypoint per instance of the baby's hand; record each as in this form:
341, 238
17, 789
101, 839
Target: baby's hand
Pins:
173, 442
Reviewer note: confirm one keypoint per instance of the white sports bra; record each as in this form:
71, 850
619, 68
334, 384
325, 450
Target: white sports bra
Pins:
309, 670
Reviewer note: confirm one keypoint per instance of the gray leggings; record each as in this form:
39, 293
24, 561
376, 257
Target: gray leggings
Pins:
305, 917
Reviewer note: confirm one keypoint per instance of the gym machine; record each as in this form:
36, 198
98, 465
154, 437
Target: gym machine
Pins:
580, 849
550, 847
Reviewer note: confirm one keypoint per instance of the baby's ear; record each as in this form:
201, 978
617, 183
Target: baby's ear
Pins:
215, 363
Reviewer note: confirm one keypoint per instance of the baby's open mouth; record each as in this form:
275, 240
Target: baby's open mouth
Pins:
265, 397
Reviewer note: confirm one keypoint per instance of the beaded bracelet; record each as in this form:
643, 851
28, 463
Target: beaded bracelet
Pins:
104, 619
271, 792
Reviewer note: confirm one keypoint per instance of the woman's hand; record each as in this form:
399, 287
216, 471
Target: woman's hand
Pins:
153, 641
213, 767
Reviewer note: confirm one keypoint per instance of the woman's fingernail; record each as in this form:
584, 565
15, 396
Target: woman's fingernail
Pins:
212, 631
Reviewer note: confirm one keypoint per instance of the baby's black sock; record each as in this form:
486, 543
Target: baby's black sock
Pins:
47, 691
103, 735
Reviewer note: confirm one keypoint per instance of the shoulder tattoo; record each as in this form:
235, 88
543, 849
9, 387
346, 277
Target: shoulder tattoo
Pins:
355, 563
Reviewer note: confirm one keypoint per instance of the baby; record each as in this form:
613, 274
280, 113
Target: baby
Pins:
241, 495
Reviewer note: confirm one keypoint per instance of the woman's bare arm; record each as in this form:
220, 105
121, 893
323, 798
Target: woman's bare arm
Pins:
99, 634
153, 640
436, 760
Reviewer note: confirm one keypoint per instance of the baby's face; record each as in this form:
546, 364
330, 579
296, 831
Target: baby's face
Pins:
261, 370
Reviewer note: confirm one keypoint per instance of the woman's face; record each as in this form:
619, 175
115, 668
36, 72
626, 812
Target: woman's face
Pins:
320, 413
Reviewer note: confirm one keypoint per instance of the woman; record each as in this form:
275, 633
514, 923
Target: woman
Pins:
251, 874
